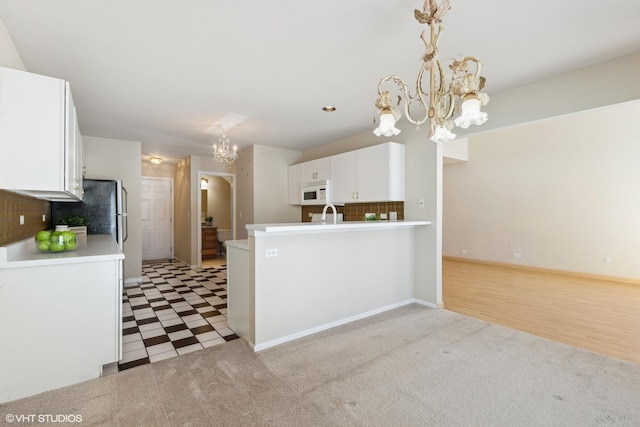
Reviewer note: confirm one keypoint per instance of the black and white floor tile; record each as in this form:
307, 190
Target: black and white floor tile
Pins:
174, 311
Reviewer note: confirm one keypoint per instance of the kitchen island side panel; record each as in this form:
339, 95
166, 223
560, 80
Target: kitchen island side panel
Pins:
309, 282
239, 312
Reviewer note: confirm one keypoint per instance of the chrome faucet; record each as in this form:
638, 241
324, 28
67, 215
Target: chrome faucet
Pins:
324, 213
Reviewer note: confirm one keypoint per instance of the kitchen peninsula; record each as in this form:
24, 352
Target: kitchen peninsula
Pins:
291, 280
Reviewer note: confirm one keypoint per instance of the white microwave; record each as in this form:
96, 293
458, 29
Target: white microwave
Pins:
315, 192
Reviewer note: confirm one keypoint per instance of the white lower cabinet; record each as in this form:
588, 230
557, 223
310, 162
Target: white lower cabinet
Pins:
372, 174
39, 136
59, 324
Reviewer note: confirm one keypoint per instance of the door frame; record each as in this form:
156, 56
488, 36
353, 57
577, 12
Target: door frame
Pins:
171, 201
233, 207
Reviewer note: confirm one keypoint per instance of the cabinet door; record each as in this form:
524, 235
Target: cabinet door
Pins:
296, 173
344, 184
32, 131
373, 173
315, 170
72, 149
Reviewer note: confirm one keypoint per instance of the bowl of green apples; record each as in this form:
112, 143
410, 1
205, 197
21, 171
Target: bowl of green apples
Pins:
59, 240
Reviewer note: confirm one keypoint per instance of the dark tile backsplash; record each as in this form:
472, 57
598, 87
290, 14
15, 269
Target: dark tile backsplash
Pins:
12, 205
356, 211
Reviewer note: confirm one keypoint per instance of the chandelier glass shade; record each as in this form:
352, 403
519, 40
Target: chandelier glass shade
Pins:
439, 102
223, 153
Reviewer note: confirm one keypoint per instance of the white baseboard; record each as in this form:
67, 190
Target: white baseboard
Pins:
311, 331
134, 281
427, 303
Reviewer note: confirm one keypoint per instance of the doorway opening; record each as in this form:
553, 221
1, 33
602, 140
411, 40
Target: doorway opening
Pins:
216, 208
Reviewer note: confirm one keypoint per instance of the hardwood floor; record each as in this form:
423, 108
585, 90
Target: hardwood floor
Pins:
597, 315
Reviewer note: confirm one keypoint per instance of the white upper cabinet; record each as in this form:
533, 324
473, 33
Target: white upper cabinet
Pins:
39, 137
372, 174
315, 170
344, 177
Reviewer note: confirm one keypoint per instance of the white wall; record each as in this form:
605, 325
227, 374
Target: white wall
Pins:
263, 187
182, 229
271, 185
245, 180
563, 192
9, 56
117, 159
607, 83
163, 170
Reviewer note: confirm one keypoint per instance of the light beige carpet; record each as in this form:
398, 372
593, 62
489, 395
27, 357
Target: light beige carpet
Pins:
412, 366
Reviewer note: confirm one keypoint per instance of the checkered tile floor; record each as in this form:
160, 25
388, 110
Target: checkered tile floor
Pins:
174, 311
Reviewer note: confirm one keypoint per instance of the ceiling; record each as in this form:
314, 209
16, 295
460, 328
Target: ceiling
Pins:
164, 72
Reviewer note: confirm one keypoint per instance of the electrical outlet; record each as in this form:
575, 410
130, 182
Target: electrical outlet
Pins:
310, 214
383, 216
517, 254
421, 203
464, 251
44, 218
272, 253
21, 219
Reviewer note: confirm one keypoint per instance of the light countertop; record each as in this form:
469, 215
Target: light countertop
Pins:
95, 247
240, 244
322, 227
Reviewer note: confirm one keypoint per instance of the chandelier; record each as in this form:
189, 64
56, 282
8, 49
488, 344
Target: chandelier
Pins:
462, 96
223, 153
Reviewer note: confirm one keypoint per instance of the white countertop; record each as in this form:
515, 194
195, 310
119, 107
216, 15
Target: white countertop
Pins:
240, 244
321, 227
95, 247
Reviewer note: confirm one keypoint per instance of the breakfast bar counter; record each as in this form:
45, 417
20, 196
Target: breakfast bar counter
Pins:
324, 227
291, 280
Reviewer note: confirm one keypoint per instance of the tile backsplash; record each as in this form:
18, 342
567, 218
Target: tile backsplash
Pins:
12, 205
356, 211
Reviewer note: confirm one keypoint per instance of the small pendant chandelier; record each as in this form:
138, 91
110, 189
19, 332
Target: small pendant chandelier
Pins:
223, 153
462, 96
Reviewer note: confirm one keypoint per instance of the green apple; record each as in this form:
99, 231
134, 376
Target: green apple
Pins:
68, 236
70, 245
43, 235
43, 246
56, 247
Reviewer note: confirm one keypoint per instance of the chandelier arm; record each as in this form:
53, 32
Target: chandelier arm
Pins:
478, 64
420, 96
448, 92
408, 98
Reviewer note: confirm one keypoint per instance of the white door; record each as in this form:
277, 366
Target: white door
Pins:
157, 218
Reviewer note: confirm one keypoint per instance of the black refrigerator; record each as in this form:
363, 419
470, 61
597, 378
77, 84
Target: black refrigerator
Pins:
104, 205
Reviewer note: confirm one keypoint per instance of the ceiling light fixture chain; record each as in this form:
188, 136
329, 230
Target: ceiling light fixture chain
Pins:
463, 95
223, 153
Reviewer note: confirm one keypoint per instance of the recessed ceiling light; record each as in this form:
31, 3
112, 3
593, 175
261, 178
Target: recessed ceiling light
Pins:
329, 108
